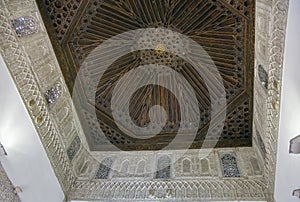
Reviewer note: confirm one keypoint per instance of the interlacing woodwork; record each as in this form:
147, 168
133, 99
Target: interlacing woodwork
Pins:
225, 29
61, 14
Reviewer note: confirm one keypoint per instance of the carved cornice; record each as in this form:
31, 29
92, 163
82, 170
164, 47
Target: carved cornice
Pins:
175, 189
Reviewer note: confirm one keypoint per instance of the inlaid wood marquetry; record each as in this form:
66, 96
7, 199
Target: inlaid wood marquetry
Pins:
223, 28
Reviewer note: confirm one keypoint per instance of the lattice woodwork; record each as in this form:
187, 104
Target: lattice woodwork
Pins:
241, 5
230, 167
61, 14
104, 169
224, 28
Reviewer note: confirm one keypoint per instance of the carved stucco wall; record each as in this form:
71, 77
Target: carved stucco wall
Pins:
204, 181
33, 65
270, 39
6, 188
262, 54
263, 20
278, 22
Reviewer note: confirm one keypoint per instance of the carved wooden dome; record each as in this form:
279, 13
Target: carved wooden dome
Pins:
223, 28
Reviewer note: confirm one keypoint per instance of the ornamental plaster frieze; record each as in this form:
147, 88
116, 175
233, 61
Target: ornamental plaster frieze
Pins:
195, 190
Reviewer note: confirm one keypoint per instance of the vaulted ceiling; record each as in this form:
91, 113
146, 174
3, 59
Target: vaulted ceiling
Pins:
223, 28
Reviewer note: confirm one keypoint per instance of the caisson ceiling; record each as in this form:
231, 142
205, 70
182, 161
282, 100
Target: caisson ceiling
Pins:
223, 28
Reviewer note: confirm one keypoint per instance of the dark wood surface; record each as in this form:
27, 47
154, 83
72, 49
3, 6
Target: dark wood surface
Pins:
224, 28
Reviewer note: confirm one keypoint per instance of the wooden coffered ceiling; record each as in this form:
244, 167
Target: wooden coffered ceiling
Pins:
225, 30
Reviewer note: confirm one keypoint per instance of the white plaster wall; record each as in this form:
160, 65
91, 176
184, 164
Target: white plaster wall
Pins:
288, 165
27, 164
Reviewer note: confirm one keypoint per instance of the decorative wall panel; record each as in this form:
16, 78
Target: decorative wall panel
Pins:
230, 167
104, 169
25, 26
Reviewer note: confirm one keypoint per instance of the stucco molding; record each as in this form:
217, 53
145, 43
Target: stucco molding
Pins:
196, 190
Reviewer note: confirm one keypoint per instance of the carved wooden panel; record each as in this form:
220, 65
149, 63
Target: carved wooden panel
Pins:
61, 14
223, 28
